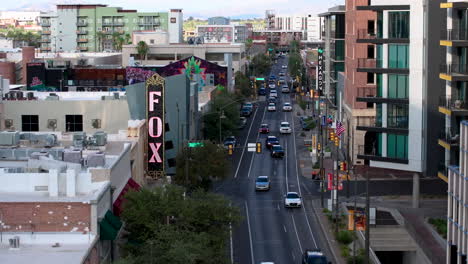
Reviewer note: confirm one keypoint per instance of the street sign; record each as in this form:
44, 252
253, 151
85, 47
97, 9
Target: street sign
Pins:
320, 70
251, 147
195, 144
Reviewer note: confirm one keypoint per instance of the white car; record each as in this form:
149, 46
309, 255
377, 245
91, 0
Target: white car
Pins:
272, 86
273, 93
271, 107
284, 67
285, 89
285, 128
287, 107
292, 199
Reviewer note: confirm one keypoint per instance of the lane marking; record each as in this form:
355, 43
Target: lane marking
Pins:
250, 233
230, 234
245, 144
297, 234
299, 185
258, 136
286, 165
284, 228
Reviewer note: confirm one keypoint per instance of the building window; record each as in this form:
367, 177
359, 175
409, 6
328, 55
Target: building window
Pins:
397, 146
30, 123
397, 116
74, 123
370, 78
398, 56
398, 24
370, 51
371, 27
397, 86
151, 41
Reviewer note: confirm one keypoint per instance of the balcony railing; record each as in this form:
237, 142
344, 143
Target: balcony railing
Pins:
107, 23
399, 122
46, 32
82, 40
82, 32
368, 121
44, 40
452, 34
368, 92
45, 23
82, 24
454, 68
365, 34
46, 48
83, 48
453, 103
118, 23
148, 22
368, 150
449, 137
96, 82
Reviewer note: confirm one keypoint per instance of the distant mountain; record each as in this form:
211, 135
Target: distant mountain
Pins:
247, 16
43, 6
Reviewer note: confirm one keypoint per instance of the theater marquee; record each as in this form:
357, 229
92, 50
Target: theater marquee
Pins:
155, 120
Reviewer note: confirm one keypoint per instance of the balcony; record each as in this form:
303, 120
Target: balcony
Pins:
365, 36
369, 94
369, 152
455, 106
107, 23
44, 40
45, 23
82, 32
82, 24
448, 140
454, 38
395, 124
46, 49
118, 23
442, 172
83, 48
375, 65
46, 32
454, 72
82, 40
148, 23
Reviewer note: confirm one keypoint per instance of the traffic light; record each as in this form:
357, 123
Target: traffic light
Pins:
230, 149
259, 147
342, 166
337, 141
318, 146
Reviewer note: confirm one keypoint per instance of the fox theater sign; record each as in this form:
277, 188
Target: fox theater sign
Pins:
155, 121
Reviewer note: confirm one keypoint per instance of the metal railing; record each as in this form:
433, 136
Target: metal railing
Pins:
369, 121
453, 103
449, 137
82, 32
368, 150
453, 34
82, 24
96, 82
392, 122
365, 34
454, 68
367, 92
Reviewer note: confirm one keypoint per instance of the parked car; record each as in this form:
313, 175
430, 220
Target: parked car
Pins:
277, 151
314, 256
292, 199
270, 141
231, 140
262, 183
287, 107
285, 128
242, 122
264, 129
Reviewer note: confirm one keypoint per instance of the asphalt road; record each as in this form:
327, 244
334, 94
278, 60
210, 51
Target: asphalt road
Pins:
270, 232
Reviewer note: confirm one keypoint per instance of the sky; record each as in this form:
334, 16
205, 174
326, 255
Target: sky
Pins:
195, 8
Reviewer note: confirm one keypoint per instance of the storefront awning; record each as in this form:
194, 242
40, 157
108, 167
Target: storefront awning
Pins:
117, 206
109, 226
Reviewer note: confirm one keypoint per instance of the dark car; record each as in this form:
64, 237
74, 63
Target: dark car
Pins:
264, 129
231, 140
242, 123
272, 77
246, 111
277, 151
271, 99
314, 256
270, 141
262, 91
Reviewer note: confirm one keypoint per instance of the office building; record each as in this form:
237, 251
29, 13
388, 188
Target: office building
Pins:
334, 46
222, 33
402, 134
94, 27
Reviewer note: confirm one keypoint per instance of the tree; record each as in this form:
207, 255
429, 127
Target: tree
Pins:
167, 226
128, 39
248, 46
243, 84
226, 103
117, 41
261, 64
142, 50
295, 65
100, 38
198, 167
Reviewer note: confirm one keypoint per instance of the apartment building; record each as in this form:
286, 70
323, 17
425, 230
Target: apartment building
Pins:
334, 39
93, 27
307, 24
405, 34
222, 33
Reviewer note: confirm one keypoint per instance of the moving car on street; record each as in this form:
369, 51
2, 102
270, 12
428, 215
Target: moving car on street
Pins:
273, 93
284, 67
262, 183
285, 89
262, 91
231, 140
277, 151
281, 73
271, 99
314, 256
285, 128
292, 199
242, 122
287, 107
270, 141
264, 129
271, 107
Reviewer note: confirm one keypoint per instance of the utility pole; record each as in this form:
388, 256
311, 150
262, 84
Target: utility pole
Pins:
367, 259
337, 183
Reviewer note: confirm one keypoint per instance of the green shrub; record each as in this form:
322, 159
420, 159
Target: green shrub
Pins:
327, 149
355, 260
316, 165
325, 210
344, 251
440, 225
345, 237
302, 104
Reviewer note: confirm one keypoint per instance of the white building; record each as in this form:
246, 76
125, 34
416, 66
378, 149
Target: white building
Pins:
308, 24
176, 22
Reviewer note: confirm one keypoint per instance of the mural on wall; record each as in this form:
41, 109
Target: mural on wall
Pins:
190, 66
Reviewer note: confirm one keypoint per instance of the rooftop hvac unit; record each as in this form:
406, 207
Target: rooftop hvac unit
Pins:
96, 123
72, 156
116, 96
52, 98
38, 155
96, 160
99, 139
14, 242
9, 138
52, 123
8, 123
79, 139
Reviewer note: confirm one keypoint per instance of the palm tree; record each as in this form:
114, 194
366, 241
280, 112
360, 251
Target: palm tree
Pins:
142, 49
100, 37
127, 39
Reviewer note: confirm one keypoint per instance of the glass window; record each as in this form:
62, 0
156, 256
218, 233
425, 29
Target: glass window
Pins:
30, 123
74, 123
398, 24
397, 146
379, 24
397, 86
398, 56
397, 116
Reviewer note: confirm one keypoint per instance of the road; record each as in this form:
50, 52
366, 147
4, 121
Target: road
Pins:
270, 232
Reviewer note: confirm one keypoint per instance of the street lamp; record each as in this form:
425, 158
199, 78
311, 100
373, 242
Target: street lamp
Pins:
222, 116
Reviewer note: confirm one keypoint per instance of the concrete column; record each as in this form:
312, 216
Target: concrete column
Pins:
71, 183
53, 183
415, 190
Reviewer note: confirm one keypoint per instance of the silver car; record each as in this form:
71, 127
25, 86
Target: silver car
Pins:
262, 183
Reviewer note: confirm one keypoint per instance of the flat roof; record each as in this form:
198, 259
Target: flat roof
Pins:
336, 10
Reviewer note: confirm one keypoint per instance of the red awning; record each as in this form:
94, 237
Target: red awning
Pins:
117, 206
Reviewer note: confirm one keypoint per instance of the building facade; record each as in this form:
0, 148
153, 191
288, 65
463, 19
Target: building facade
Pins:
401, 136
93, 27
28, 20
334, 40
218, 21
308, 24
222, 33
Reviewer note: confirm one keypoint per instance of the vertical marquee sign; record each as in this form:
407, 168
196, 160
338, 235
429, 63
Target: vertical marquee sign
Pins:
155, 120
320, 69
